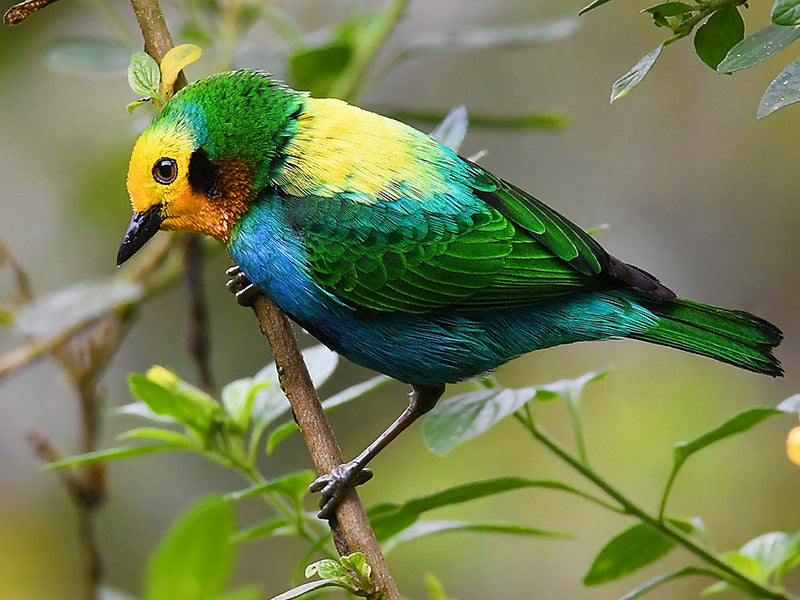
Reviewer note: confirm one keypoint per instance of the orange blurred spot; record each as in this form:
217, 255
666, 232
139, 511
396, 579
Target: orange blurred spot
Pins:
793, 445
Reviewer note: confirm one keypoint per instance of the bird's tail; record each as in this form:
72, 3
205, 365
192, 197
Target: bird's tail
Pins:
731, 336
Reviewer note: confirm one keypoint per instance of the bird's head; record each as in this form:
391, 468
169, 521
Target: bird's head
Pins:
200, 163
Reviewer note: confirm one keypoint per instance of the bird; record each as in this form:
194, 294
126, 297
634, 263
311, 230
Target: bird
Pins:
393, 250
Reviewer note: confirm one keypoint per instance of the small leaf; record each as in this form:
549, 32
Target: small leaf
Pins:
327, 568
263, 529
434, 587
79, 303
185, 403
422, 529
758, 47
135, 104
144, 75
293, 485
357, 563
238, 398
786, 12
173, 62
634, 77
592, 6
388, 519
714, 39
140, 409
112, 454
465, 416
196, 557
154, 433
775, 552
670, 14
86, 56
736, 424
662, 579
453, 128
630, 550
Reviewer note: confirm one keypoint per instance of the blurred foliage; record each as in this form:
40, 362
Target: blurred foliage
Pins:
720, 43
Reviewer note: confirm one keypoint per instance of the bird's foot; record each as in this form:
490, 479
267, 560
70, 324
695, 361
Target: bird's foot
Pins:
334, 486
241, 287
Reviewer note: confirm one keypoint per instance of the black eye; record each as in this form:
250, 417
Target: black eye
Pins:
165, 170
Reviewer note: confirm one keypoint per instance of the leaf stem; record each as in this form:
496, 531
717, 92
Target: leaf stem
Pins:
727, 572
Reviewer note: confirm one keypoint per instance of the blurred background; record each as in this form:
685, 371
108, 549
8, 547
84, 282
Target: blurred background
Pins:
692, 186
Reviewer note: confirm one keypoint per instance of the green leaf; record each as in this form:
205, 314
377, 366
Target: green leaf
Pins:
775, 552
154, 433
327, 568
306, 588
737, 424
422, 529
662, 579
181, 401
144, 75
196, 557
261, 530
86, 56
721, 32
453, 128
318, 69
592, 6
630, 550
670, 14
758, 47
460, 418
357, 563
388, 519
786, 12
293, 485
284, 430
113, 454
238, 398
135, 104
83, 302
634, 77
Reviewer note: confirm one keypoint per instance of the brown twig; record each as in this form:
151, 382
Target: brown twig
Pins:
351, 529
19, 12
197, 339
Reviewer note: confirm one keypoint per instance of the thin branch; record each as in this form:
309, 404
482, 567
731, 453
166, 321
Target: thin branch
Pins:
197, 338
351, 529
19, 12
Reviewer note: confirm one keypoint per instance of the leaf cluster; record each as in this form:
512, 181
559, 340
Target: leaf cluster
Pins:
720, 43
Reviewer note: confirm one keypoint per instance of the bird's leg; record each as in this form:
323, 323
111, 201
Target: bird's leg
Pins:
334, 486
241, 286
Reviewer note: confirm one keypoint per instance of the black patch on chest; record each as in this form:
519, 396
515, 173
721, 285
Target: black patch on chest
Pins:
203, 173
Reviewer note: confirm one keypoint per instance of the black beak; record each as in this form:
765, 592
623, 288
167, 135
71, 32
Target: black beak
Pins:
143, 226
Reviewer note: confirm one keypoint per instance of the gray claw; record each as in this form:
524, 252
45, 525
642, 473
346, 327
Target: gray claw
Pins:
334, 486
241, 286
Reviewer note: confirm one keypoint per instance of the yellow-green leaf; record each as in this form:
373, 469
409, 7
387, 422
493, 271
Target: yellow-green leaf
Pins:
172, 63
